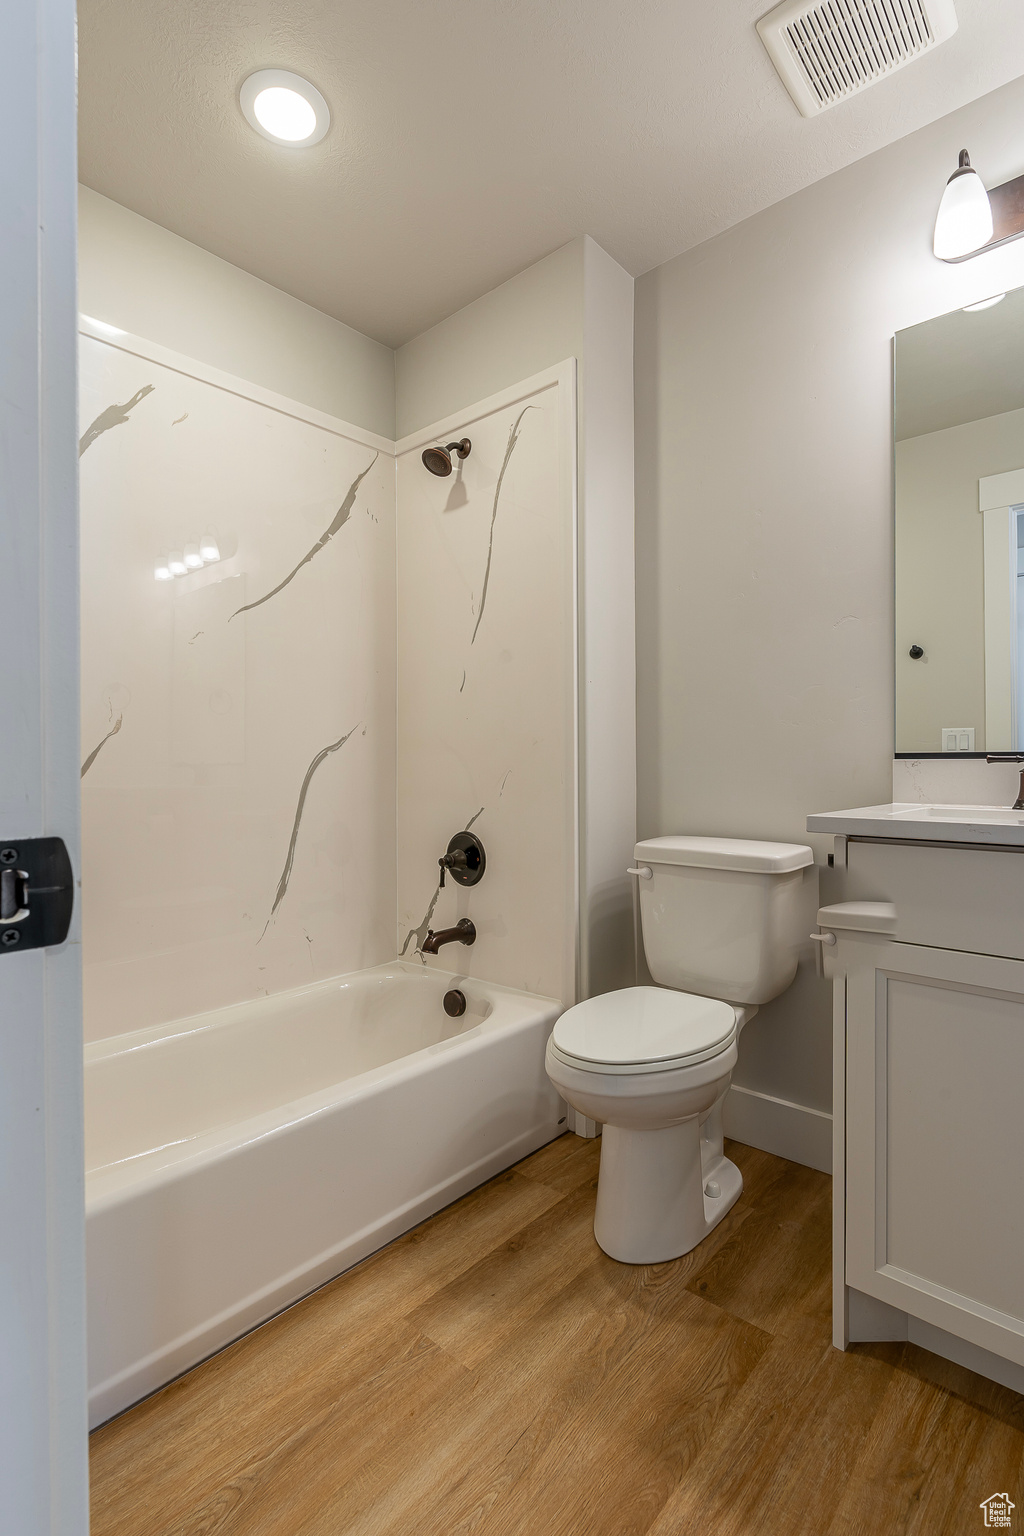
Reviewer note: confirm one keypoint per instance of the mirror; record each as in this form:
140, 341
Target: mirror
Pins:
959, 456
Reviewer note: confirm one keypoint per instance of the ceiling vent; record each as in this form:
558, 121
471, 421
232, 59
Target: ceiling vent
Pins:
829, 51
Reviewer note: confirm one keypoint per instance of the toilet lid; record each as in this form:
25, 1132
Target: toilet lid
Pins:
644, 1024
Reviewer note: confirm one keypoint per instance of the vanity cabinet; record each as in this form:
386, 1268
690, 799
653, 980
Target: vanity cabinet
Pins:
927, 966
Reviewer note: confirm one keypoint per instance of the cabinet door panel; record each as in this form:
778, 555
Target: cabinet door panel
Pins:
935, 1218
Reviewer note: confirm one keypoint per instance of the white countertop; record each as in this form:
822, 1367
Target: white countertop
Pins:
926, 823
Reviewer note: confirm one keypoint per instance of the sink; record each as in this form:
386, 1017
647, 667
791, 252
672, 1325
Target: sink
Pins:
968, 813
991, 824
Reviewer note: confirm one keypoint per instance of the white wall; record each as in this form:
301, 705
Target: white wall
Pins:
532, 322
940, 594
764, 513
140, 277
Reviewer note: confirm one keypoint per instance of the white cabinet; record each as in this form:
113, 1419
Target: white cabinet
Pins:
929, 1154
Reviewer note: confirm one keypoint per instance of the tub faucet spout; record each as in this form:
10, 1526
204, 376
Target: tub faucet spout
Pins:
464, 932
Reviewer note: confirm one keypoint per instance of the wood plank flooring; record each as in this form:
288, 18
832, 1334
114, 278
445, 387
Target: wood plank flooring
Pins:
492, 1373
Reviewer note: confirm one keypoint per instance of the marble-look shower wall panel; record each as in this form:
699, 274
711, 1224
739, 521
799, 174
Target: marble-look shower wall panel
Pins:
208, 673
486, 695
237, 722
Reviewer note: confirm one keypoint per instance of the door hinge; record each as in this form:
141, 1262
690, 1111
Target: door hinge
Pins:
37, 893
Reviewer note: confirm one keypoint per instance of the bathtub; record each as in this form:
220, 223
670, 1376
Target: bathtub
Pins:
238, 1159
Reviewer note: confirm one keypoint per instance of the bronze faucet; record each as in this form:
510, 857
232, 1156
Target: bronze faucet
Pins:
1011, 757
464, 932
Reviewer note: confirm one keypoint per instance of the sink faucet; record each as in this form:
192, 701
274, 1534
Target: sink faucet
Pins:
464, 932
1011, 757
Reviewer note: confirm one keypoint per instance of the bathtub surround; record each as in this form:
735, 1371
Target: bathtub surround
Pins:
576, 302
113, 416
236, 777
286, 873
340, 518
487, 684
513, 438
94, 754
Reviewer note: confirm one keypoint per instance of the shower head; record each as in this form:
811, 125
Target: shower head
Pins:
439, 460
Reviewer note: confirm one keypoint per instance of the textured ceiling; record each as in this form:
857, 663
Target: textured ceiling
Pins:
471, 137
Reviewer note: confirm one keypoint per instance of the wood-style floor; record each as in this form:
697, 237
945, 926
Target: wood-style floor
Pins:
492, 1372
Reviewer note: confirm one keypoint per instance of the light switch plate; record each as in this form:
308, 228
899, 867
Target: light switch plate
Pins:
958, 738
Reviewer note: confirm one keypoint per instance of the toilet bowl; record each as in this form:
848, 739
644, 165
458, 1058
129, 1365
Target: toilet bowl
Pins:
653, 1064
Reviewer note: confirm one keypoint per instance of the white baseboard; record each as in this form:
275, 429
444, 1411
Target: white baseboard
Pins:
775, 1125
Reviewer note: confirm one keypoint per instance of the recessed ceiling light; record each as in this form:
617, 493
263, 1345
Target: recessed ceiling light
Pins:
285, 108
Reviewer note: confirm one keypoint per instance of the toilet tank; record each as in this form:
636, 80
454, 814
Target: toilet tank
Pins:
721, 916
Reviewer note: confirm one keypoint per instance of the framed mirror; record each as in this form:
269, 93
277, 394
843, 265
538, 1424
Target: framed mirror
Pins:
959, 458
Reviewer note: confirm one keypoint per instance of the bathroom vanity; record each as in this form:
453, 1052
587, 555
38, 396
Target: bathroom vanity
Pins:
926, 957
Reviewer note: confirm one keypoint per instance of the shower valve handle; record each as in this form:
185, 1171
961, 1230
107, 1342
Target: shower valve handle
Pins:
455, 860
465, 858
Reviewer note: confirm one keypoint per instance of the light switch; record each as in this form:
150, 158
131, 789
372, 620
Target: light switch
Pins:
958, 738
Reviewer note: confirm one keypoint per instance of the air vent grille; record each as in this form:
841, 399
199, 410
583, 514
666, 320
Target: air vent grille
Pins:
829, 51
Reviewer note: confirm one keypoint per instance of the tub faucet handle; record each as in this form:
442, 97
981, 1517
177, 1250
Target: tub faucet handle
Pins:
452, 860
464, 857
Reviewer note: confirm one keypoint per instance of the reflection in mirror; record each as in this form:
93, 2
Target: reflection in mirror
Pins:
959, 429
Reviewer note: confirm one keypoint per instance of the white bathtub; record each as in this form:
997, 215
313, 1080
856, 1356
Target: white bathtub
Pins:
238, 1159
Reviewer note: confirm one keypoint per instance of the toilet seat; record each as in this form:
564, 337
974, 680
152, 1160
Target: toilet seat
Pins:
643, 1029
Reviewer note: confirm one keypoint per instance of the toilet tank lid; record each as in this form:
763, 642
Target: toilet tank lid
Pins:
724, 853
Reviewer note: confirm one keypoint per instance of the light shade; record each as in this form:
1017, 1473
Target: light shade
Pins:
964, 221
208, 548
284, 108
176, 564
193, 559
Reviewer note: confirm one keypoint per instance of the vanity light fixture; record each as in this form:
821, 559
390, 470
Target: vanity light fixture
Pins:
284, 108
963, 223
209, 549
162, 571
193, 559
176, 564
971, 220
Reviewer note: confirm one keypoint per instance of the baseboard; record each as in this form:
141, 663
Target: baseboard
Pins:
789, 1130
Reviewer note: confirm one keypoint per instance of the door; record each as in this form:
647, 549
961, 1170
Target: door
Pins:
935, 1139
42, 1322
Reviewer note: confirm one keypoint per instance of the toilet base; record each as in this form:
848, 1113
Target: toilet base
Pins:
652, 1200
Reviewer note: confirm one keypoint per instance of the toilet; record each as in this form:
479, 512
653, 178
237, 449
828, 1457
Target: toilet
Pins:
722, 922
